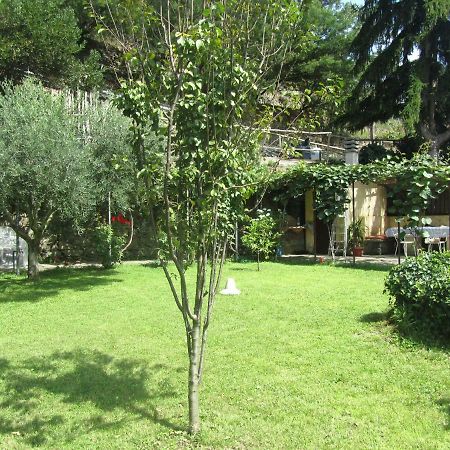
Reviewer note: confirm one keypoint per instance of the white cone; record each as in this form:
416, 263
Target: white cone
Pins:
230, 288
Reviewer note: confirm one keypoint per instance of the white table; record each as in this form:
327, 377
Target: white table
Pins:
433, 232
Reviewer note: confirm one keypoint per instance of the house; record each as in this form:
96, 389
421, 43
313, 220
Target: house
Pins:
304, 234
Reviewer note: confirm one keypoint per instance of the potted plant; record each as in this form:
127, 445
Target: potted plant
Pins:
356, 234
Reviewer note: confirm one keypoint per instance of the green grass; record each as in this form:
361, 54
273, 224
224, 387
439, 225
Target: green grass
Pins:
301, 359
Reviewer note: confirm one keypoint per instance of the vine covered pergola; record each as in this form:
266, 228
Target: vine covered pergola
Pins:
414, 183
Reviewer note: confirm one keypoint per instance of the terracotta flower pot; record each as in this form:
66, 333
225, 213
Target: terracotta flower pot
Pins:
358, 251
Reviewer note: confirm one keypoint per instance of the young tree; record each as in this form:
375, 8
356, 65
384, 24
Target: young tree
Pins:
261, 236
402, 50
199, 89
45, 169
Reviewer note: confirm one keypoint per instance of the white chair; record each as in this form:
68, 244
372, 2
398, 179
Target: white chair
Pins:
409, 239
430, 241
398, 242
439, 241
337, 244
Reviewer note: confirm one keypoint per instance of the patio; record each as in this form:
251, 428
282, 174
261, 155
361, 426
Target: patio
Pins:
381, 260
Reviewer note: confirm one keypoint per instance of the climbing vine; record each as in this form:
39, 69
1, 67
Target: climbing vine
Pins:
414, 184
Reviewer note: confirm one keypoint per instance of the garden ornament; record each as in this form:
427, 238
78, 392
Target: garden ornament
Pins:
230, 288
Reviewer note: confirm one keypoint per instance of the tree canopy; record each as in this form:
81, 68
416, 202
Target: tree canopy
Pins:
403, 53
42, 38
329, 28
45, 170
199, 88
106, 132
59, 161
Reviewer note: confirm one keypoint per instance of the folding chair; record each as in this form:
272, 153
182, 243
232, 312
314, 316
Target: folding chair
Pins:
430, 241
409, 239
443, 243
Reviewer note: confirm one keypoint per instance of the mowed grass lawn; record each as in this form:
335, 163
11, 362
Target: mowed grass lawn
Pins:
301, 359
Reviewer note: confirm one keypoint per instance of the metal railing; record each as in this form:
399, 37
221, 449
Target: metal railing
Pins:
294, 144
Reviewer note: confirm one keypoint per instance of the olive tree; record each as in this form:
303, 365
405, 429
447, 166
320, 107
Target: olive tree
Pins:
45, 169
105, 131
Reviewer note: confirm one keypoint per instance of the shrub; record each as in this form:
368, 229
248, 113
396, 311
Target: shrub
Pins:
420, 294
108, 246
372, 152
260, 235
409, 145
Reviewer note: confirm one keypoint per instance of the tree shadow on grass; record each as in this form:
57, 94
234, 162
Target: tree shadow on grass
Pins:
243, 269
297, 261
52, 282
251, 264
34, 389
365, 267
151, 264
408, 333
444, 403
374, 317
4, 364
309, 261
422, 337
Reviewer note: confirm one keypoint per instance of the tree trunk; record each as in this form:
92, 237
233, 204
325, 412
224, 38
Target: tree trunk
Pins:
258, 260
372, 132
434, 149
436, 140
193, 382
33, 255
428, 127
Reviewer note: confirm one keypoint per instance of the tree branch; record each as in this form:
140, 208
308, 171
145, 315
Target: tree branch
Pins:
21, 231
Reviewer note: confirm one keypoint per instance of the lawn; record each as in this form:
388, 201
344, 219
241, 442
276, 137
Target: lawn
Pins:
301, 359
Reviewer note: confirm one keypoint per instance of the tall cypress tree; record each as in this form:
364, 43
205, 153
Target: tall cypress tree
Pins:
402, 52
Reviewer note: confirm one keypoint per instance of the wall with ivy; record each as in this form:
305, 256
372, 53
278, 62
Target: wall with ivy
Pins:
414, 184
